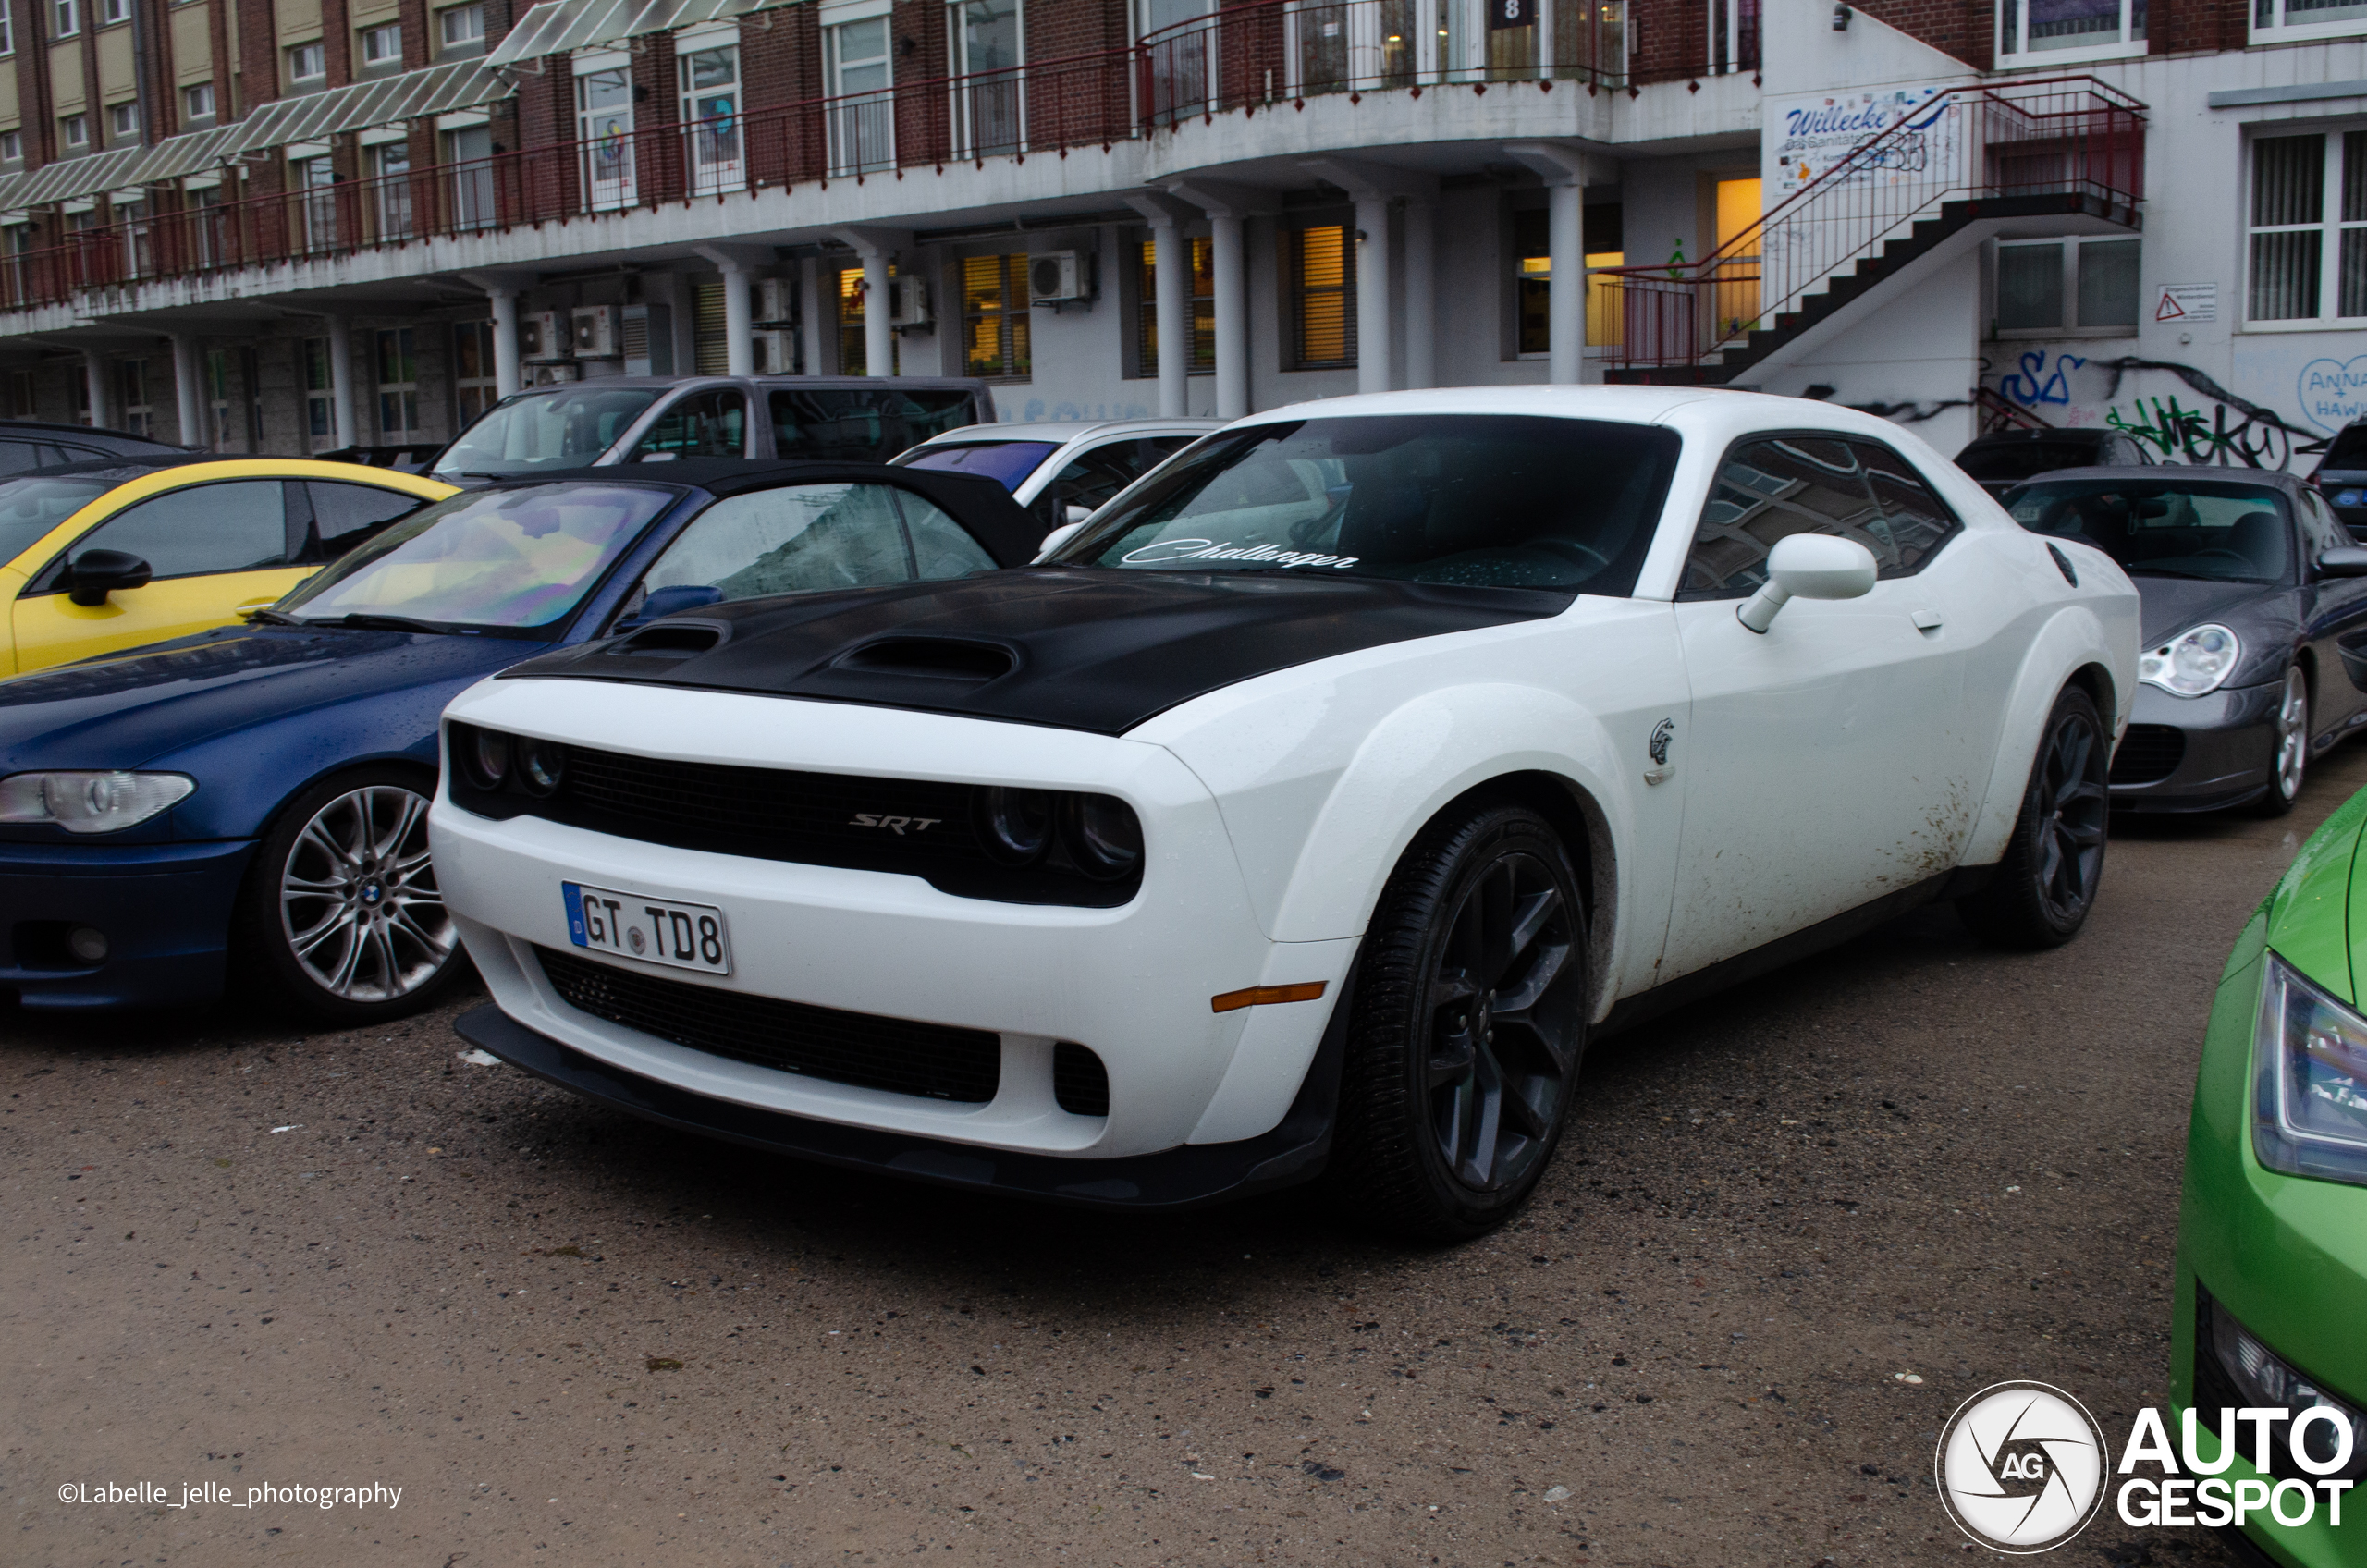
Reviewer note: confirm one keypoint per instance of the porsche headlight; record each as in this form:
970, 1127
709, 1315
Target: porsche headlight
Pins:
2192, 661
2309, 1080
90, 802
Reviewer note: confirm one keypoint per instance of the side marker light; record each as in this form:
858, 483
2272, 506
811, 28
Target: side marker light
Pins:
1258, 995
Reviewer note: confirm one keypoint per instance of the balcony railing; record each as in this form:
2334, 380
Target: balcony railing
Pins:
2069, 137
1238, 57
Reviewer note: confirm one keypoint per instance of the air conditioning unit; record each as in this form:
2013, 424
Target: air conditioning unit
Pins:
546, 336
600, 332
907, 301
1057, 277
776, 301
776, 351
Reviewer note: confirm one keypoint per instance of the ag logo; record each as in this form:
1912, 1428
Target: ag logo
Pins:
2021, 1467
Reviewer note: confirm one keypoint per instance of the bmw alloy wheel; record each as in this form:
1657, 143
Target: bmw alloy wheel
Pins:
358, 901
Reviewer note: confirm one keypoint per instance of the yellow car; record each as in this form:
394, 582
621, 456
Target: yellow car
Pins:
100, 556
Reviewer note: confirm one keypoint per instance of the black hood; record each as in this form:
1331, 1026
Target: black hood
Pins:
1077, 648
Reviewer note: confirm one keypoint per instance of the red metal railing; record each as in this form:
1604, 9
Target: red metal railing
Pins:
2072, 136
1239, 57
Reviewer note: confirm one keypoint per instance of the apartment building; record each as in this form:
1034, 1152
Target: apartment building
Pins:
293, 224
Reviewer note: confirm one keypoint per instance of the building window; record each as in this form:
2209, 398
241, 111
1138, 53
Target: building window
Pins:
2308, 229
398, 388
994, 316
64, 17
986, 52
307, 63
460, 30
382, 47
852, 358
74, 132
474, 386
863, 121
390, 190
604, 126
1320, 261
711, 107
320, 416
123, 122
21, 395
138, 239
2279, 21
317, 178
8, 29
1201, 305
114, 11
2051, 33
197, 104
1533, 276
2061, 288
203, 207
12, 146
131, 394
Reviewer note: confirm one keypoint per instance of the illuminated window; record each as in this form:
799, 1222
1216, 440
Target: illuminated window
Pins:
1322, 267
994, 316
1202, 306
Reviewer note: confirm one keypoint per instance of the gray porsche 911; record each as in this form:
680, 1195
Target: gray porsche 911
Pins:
2255, 626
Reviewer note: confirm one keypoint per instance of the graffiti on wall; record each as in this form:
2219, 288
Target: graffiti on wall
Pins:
2177, 412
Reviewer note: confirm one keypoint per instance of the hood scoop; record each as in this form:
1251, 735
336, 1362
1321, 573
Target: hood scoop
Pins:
930, 659
675, 638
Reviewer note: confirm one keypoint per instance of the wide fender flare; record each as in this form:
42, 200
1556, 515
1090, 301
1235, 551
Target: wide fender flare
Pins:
1438, 746
2071, 640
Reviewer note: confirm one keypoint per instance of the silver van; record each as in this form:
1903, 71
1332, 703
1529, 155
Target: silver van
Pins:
631, 419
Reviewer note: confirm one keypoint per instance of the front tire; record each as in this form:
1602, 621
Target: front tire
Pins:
2047, 882
340, 917
2288, 747
1469, 1023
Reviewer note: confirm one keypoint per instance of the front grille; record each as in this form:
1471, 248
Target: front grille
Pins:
922, 828
1080, 1083
2148, 753
894, 1054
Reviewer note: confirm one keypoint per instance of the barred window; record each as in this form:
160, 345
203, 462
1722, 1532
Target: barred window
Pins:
995, 317
1322, 267
2308, 254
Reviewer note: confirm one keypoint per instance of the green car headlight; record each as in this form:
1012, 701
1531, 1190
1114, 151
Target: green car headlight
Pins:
2309, 1080
90, 802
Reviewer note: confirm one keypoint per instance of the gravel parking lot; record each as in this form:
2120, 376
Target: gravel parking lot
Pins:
1792, 1229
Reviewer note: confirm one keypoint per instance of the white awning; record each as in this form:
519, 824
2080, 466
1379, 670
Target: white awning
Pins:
461, 85
558, 26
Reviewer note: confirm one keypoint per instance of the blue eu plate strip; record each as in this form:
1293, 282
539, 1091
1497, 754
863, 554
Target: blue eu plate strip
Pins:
574, 893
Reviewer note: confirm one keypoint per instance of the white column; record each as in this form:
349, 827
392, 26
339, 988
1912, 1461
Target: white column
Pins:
95, 377
739, 331
878, 337
1231, 265
508, 375
1172, 282
1373, 315
816, 310
1421, 306
189, 393
349, 433
1566, 333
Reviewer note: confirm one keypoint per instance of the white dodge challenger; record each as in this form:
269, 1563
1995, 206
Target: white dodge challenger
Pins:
1304, 814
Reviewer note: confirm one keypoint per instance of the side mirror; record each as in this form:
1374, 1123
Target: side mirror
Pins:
1059, 536
1074, 514
2343, 561
93, 574
1808, 566
659, 603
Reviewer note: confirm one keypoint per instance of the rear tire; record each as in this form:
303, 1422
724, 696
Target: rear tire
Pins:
1469, 1020
339, 919
2054, 862
2289, 748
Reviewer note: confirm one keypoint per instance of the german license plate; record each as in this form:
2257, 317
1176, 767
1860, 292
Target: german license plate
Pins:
653, 930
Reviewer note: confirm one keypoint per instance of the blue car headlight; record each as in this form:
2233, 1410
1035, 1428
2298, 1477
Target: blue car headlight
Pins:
2346, 498
2309, 1080
90, 802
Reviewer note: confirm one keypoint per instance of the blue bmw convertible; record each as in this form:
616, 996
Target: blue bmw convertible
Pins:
247, 807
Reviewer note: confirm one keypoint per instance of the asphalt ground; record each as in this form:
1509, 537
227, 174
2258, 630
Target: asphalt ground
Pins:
242, 1256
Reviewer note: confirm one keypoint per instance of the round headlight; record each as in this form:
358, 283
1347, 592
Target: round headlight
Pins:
485, 754
2191, 663
541, 766
1014, 825
1105, 837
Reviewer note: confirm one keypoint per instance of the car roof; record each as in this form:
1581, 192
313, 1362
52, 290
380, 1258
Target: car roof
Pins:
2156, 473
94, 434
129, 465
2091, 435
982, 506
786, 383
1060, 432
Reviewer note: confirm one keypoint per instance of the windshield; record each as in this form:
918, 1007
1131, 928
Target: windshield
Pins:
2212, 529
519, 559
568, 427
1475, 500
31, 508
1008, 463
2349, 449
2020, 460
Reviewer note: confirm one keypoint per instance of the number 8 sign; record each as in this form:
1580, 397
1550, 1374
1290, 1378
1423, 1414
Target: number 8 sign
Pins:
1511, 13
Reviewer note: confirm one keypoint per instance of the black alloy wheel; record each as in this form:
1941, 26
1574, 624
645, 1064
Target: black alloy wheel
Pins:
1469, 1021
2054, 862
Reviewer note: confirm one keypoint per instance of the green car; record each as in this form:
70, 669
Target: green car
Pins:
2271, 1265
